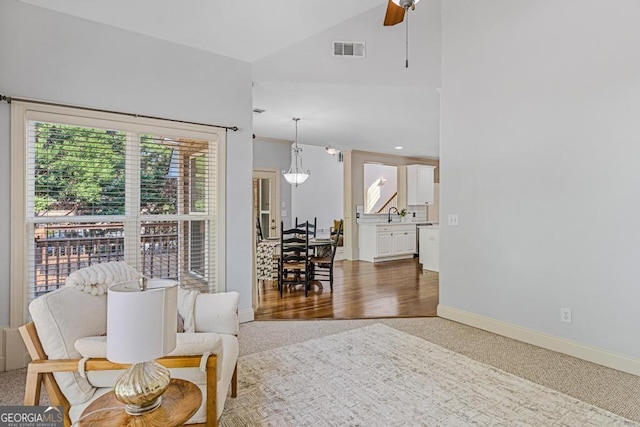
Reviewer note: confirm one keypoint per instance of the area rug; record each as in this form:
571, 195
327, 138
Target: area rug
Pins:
379, 376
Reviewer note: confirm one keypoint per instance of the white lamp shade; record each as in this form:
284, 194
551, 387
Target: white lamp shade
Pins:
141, 325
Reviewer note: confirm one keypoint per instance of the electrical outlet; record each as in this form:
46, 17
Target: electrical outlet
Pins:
453, 220
565, 315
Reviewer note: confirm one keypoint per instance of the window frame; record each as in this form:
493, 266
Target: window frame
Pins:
23, 112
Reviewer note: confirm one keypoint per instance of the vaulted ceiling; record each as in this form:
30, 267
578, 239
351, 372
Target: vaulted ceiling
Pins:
372, 103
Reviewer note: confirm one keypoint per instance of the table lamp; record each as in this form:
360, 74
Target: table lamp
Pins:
141, 327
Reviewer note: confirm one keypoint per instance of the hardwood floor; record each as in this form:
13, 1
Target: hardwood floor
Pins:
361, 290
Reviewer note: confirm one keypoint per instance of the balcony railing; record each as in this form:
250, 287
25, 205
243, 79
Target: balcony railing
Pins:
63, 249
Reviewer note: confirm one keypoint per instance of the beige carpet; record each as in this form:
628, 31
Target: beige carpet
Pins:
606, 388
379, 376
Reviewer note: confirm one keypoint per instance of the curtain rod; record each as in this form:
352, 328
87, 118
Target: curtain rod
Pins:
8, 99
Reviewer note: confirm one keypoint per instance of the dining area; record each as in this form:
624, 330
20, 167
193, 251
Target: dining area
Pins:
298, 260
297, 286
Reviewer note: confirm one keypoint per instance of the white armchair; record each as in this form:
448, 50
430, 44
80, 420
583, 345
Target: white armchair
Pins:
67, 345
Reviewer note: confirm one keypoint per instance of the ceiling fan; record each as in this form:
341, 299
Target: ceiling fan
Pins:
395, 15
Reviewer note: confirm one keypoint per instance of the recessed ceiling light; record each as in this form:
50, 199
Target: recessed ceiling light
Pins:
398, 147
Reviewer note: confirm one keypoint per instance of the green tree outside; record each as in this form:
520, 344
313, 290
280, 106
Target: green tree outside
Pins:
83, 169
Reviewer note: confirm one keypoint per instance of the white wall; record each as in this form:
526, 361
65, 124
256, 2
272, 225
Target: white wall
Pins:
275, 155
50, 56
540, 155
304, 72
321, 195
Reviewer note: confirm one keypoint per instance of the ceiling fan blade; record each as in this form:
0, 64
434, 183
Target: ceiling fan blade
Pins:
394, 15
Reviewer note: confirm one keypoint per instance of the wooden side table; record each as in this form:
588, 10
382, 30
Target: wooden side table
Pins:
179, 402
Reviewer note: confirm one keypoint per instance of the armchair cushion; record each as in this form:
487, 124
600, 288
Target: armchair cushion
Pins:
61, 317
186, 344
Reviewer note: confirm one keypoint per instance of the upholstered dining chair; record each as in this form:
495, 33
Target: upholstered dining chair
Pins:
334, 230
323, 264
294, 268
267, 259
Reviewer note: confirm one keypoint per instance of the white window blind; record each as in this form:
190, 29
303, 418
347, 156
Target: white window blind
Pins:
105, 191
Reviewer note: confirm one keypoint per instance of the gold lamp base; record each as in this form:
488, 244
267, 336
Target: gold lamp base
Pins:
141, 386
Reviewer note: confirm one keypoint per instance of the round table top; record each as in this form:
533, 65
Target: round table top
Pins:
179, 402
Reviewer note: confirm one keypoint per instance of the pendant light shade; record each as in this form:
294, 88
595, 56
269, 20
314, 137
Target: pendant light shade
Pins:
405, 3
296, 174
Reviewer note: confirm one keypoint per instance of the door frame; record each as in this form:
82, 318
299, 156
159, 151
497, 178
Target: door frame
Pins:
274, 175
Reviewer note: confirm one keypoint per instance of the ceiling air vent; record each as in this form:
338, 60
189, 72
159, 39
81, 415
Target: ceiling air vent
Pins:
350, 49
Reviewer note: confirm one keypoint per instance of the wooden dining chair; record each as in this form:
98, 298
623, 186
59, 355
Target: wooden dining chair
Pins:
322, 265
294, 267
312, 226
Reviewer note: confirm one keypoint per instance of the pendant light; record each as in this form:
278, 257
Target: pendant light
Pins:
296, 174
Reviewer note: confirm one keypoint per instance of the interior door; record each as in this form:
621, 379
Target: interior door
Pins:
266, 200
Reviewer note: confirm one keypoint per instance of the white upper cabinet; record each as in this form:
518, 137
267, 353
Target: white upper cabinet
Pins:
420, 179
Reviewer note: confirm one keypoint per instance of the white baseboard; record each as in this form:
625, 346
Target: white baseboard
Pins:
15, 354
348, 253
246, 315
541, 339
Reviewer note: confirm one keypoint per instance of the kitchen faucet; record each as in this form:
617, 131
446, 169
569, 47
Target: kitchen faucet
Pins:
392, 207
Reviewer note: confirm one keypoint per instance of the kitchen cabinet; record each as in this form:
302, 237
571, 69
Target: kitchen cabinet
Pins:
386, 242
430, 247
420, 188
404, 242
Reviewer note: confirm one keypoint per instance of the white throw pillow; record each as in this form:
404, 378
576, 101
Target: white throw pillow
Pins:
217, 313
